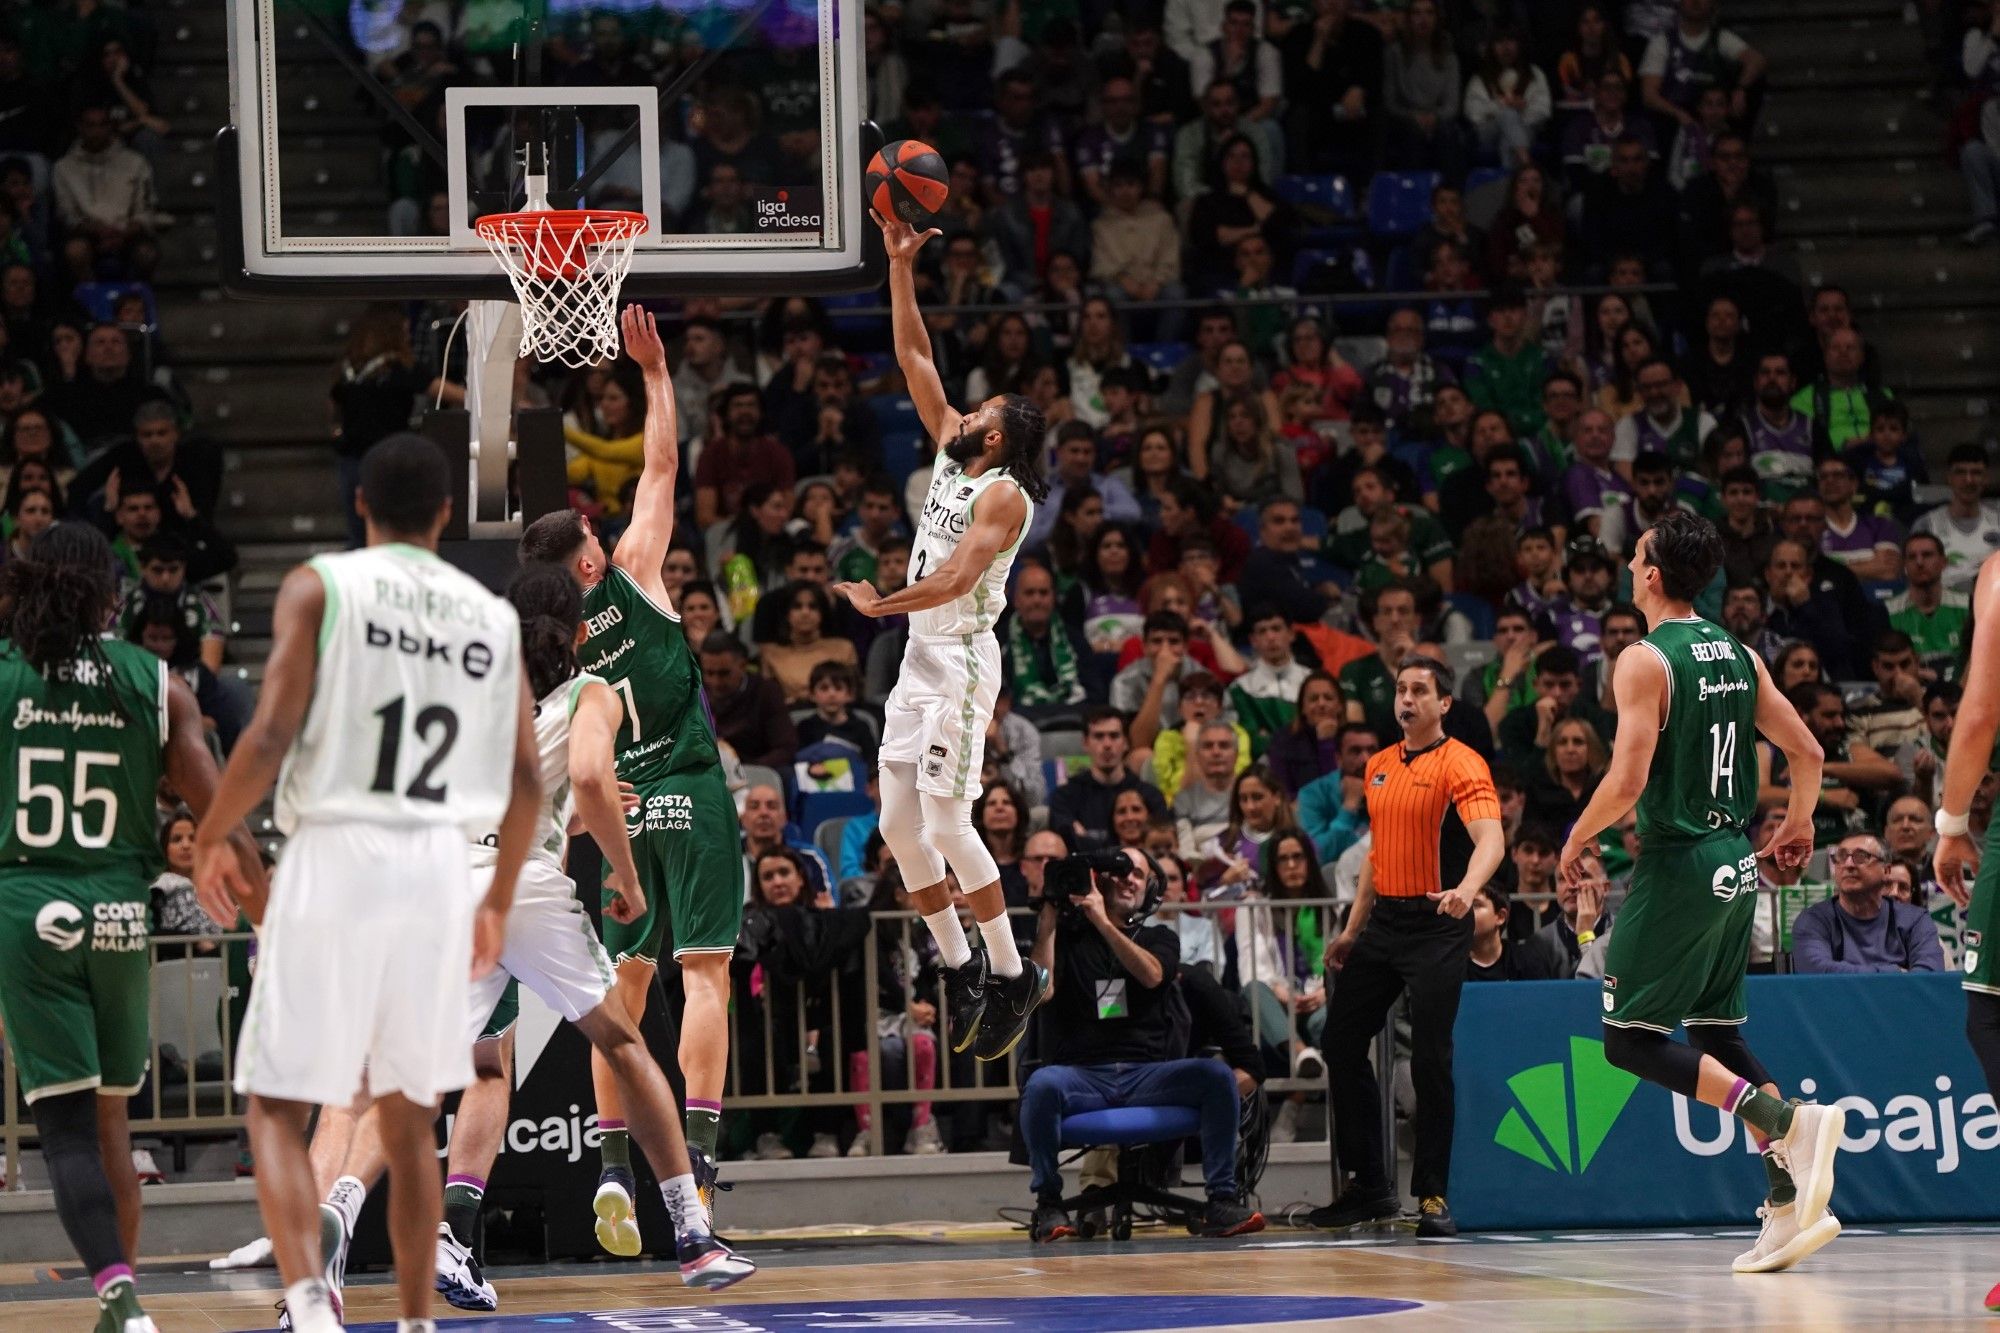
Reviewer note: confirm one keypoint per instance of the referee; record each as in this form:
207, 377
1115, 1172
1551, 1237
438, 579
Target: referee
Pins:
1436, 822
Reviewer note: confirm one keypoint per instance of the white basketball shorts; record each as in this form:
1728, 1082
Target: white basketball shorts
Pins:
551, 948
936, 717
364, 963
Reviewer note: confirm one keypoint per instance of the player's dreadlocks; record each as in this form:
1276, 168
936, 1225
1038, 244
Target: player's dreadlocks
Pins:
1025, 429
57, 602
550, 606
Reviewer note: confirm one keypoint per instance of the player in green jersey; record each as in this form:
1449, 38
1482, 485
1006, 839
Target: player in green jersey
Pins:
1690, 700
1958, 858
684, 835
93, 724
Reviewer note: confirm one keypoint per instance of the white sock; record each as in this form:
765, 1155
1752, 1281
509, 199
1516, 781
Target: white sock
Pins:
346, 1198
1001, 955
416, 1326
310, 1305
950, 936
683, 1202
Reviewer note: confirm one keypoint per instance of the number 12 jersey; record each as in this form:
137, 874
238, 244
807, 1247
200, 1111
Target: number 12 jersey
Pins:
416, 699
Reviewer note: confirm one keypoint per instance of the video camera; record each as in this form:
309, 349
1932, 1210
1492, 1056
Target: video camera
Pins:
1074, 876
1068, 879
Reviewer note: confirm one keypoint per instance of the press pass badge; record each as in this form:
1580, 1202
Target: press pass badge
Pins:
1111, 998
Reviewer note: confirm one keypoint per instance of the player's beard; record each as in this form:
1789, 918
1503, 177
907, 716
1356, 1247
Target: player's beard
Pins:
966, 449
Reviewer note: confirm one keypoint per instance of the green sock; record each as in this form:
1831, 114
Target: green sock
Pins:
615, 1146
703, 1125
1782, 1190
1768, 1115
462, 1199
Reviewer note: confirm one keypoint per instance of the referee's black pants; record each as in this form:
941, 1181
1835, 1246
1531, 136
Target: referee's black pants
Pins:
1406, 944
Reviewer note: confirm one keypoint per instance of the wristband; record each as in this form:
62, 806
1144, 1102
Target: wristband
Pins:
1585, 936
1952, 826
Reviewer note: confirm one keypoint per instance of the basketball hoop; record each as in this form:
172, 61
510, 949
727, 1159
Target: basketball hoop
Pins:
567, 266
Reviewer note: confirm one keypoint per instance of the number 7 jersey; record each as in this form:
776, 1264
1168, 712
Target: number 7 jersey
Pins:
416, 698
1704, 772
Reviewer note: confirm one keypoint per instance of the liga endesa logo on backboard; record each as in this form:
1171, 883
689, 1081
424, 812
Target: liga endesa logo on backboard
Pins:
787, 208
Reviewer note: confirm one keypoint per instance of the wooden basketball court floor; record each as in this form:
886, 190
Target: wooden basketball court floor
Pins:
1871, 1278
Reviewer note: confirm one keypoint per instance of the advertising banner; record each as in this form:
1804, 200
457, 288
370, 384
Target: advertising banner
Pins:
1551, 1135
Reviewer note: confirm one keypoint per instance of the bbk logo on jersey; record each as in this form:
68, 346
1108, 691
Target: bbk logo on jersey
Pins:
60, 925
669, 812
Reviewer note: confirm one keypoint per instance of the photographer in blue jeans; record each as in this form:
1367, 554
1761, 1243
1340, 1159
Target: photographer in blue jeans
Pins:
1115, 1026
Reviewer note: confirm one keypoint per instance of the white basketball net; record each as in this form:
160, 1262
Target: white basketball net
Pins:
567, 269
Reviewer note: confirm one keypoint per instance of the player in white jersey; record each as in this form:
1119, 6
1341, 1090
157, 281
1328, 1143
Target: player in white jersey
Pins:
982, 498
395, 702
553, 951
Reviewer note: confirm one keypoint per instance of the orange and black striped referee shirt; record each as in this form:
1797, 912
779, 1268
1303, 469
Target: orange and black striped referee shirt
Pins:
1419, 803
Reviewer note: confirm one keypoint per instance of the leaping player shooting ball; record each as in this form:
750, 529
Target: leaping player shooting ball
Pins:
982, 498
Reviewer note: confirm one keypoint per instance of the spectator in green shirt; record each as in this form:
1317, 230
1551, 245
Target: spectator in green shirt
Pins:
1507, 373
1351, 543
1368, 684
880, 512
1934, 617
1837, 401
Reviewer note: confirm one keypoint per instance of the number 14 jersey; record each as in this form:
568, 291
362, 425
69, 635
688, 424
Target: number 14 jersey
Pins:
1704, 772
416, 699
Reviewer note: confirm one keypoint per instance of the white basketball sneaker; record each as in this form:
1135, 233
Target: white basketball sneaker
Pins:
1782, 1242
1809, 1149
255, 1254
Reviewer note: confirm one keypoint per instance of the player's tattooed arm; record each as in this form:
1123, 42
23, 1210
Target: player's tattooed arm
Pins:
996, 522
644, 545
913, 340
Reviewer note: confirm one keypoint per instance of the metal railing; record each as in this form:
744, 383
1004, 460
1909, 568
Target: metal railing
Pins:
777, 1028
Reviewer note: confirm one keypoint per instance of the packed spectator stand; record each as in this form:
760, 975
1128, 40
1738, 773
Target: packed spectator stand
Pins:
1358, 326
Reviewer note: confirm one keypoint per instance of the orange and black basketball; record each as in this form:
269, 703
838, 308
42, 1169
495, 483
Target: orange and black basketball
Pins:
908, 179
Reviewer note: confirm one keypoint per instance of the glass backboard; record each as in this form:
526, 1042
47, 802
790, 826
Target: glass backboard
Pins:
369, 136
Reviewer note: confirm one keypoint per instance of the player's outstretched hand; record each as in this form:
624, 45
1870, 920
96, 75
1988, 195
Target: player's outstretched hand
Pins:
1579, 864
622, 903
642, 339
489, 937
1956, 862
899, 238
862, 595
628, 797
220, 885
1791, 845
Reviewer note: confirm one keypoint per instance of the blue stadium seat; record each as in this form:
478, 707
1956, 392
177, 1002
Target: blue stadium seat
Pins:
1312, 521
1246, 519
1331, 193
859, 330
1476, 609
1400, 273
100, 299
871, 365
1160, 357
902, 453
815, 808
1399, 203
1479, 176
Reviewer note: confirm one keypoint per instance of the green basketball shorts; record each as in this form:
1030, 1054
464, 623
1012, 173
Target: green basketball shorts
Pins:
75, 977
1680, 947
689, 850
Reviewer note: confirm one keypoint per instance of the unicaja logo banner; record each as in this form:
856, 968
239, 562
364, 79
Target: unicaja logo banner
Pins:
1563, 1111
1549, 1135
